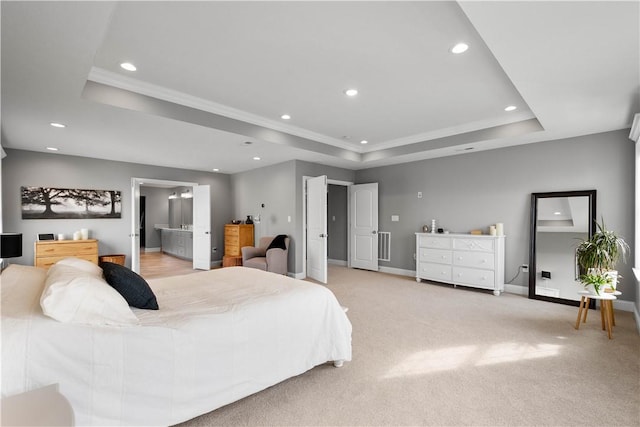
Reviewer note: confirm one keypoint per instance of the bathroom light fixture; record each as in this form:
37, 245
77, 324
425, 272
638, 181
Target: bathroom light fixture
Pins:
186, 194
459, 48
173, 195
351, 92
510, 108
58, 125
285, 117
128, 66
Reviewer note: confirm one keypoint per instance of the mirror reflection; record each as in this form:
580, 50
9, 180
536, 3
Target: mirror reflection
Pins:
560, 221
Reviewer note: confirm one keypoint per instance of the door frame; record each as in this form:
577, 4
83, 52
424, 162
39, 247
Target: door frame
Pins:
135, 212
304, 220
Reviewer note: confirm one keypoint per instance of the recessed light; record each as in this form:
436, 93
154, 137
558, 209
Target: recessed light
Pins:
557, 213
58, 125
351, 92
510, 108
128, 66
216, 170
285, 117
256, 158
459, 48
52, 149
364, 141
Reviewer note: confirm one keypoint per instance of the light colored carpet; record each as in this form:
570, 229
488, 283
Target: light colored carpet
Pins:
427, 354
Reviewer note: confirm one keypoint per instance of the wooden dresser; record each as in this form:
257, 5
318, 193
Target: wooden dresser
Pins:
236, 236
48, 252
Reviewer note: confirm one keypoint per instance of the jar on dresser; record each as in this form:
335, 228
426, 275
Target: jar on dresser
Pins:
461, 259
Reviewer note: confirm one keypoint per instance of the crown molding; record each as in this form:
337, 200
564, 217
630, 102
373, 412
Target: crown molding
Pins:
109, 78
634, 135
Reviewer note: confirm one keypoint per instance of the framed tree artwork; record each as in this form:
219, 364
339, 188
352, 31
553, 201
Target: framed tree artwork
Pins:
65, 203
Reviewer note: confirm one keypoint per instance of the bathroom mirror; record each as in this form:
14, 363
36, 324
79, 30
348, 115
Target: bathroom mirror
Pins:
559, 222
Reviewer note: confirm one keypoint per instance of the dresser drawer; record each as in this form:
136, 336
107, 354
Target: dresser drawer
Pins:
485, 245
475, 277
46, 262
232, 230
435, 255
474, 259
66, 249
437, 272
436, 242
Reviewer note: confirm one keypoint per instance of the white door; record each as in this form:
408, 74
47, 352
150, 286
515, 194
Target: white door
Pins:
317, 228
135, 225
201, 227
364, 226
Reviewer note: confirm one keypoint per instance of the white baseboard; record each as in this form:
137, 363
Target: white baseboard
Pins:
398, 271
297, 275
516, 289
337, 262
152, 249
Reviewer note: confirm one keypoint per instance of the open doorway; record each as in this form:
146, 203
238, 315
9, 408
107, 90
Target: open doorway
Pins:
147, 223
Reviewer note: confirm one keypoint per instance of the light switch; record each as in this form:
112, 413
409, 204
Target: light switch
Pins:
288, 218
333, 218
395, 218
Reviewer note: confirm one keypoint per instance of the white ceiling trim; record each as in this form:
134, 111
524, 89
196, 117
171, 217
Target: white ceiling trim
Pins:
514, 117
109, 78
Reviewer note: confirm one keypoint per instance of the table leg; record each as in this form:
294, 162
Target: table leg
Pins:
606, 308
580, 308
587, 301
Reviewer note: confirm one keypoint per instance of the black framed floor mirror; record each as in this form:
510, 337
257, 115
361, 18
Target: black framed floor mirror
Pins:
560, 220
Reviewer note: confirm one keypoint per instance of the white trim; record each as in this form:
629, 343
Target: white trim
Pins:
109, 78
516, 289
297, 275
337, 262
151, 249
397, 271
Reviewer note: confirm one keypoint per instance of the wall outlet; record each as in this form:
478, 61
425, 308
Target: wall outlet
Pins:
414, 257
525, 268
214, 250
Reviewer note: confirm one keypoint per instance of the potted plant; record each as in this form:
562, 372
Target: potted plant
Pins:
598, 257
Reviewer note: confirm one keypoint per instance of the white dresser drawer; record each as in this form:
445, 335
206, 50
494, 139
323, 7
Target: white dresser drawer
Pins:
478, 244
474, 259
436, 242
437, 272
435, 255
473, 276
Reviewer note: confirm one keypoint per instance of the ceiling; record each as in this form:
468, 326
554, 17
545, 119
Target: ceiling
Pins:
214, 78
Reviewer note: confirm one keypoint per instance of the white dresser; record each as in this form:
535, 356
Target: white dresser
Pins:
461, 259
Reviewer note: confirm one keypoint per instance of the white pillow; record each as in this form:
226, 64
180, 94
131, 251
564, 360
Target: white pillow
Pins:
82, 264
72, 295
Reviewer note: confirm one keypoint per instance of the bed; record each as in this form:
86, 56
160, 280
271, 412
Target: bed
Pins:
218, 336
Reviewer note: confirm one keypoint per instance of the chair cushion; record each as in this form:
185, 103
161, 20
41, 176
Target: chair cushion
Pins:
130, 285
257, 262
278, 242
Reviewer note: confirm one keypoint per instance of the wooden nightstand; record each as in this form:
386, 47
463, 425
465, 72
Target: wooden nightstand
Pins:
48, 252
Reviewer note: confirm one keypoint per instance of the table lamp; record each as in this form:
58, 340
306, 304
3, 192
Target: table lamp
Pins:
10, 246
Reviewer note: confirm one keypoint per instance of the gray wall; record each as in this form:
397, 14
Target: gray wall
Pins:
475, 190
26, 168
157, 212
337, 222
279, 188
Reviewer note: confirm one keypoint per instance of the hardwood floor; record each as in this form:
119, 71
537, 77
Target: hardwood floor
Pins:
156, 264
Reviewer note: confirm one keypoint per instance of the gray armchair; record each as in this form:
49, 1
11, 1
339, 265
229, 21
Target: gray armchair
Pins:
264, 257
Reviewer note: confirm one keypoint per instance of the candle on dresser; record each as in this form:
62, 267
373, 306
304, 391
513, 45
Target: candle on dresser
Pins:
500, 229
76, 235
492, 230
60, 236
84, 233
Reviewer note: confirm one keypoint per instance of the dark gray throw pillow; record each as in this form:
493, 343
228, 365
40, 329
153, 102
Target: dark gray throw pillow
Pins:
278, 242
131, 286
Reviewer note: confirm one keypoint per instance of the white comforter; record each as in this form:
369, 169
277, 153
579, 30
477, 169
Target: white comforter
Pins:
219, 336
